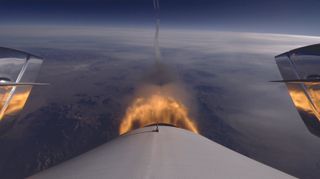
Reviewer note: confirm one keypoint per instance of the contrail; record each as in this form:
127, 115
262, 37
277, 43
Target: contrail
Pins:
156, 7
156, 4
160, 74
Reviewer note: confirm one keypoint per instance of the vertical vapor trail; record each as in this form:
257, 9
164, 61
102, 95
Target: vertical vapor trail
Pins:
161, 98
156, 7
159, 72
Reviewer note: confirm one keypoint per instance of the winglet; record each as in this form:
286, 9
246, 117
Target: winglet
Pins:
18, 72
300, 70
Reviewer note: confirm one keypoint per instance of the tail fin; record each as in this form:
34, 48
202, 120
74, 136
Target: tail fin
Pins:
300, 70
18, 72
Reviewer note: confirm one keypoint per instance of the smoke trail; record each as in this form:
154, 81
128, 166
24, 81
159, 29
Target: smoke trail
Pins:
161, 98
156, 6
159, 74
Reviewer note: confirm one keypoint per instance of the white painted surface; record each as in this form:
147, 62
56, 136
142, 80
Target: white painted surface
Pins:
171, 153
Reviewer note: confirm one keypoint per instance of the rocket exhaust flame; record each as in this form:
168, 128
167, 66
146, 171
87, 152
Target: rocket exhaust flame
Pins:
156, 108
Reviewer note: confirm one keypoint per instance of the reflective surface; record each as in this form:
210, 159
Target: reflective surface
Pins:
303, 65
16, 66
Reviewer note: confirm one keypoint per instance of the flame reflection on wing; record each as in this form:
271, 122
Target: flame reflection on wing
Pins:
16, 103
302, 102
156, 109
314, 93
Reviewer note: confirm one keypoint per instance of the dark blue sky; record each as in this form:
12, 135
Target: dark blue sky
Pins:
279, 16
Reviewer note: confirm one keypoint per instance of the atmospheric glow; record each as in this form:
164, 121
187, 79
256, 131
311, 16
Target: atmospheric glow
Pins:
156, 108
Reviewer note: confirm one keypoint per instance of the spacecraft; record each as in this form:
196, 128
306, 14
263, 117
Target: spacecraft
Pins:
168, 152
153, 151
163, 150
